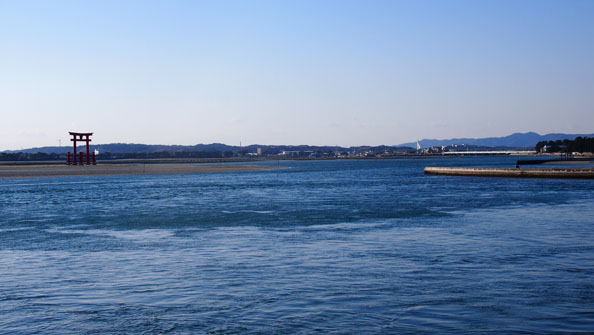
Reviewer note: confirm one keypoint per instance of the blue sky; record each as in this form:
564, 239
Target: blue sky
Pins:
293, 72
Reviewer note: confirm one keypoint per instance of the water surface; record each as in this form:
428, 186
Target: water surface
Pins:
323, 247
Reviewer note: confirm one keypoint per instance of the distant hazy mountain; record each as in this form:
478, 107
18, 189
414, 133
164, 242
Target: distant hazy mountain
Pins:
517, 140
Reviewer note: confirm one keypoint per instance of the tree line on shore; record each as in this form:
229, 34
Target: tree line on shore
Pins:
580, 144
210, 151
40, 156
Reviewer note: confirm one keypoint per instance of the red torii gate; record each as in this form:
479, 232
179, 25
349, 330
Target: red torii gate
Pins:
78, 137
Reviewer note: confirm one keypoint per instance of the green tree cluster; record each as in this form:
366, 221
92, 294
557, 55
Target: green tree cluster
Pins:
580, 144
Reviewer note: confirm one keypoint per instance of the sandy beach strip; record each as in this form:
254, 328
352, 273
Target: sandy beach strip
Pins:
38, 171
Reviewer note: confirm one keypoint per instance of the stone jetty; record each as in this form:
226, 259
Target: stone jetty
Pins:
576, 173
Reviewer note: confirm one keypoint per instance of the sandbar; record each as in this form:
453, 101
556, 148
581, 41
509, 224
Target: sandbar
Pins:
55, 170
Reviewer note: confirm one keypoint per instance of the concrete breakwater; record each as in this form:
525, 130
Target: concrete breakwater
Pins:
584, 173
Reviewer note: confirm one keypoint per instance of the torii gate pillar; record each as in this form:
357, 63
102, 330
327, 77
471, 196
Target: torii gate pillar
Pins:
78, 137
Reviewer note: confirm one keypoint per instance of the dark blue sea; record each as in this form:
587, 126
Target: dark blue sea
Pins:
318, 247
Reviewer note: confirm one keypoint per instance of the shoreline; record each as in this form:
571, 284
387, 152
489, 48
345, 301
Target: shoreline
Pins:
253, 160
15, 171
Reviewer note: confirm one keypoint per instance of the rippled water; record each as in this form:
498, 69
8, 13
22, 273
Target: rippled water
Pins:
322, 247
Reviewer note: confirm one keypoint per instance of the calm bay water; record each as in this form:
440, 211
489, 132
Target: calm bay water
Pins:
340, 247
